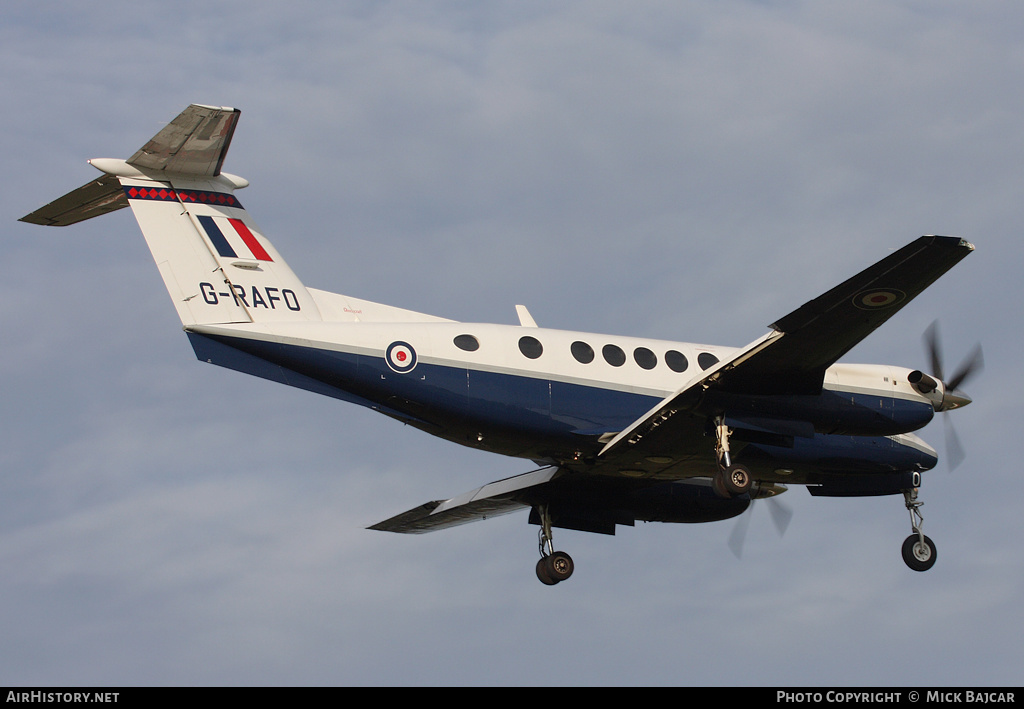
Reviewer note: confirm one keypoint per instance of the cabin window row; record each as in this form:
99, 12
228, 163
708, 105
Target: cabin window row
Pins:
614, 355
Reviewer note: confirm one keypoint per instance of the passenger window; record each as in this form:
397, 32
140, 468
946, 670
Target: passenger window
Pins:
645, 358
467, 342
531, 347
583, 352
613, 355
706, 360
676, 361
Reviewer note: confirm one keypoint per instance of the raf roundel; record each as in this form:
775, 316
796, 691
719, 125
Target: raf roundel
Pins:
401, 357
881, 298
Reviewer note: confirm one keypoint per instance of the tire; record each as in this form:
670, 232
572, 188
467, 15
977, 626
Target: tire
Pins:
718, 485
542, 572
737, 480
919, 557
558, 566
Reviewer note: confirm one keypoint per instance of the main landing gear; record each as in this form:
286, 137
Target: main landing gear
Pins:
553, 566
918, 550
732, 479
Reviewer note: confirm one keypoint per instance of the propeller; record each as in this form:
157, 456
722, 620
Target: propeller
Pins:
780, 514
949, 396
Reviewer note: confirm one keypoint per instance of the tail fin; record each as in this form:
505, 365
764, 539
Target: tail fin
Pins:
216, 264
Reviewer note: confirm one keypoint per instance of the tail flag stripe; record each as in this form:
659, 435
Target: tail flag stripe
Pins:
217, 237
250, 240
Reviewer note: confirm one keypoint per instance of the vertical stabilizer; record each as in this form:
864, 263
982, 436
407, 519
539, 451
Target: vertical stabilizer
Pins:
217, 265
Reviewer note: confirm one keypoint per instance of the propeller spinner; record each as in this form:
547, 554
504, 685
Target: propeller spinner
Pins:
946, 395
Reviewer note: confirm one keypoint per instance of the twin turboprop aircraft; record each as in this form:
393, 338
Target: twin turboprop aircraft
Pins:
622, 428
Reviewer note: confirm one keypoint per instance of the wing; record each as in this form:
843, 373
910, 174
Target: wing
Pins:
491, 500
818, 333
792, 359
587, 503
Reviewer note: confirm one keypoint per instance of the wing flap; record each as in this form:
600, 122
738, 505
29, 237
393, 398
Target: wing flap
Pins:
493, 499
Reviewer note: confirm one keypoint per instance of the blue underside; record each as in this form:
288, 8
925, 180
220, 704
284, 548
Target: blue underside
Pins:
536, 418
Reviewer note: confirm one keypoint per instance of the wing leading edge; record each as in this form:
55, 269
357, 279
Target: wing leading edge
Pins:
792, 359
822, 330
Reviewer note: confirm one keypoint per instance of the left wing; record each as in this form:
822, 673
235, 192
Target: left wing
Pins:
792, 359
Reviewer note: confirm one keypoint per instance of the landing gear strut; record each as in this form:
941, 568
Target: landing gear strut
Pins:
918, 550
553, 566
732, 479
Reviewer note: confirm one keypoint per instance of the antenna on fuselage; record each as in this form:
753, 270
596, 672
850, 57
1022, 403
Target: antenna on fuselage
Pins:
525, 319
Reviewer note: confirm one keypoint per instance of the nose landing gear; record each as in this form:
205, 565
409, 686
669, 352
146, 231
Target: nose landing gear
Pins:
919, 551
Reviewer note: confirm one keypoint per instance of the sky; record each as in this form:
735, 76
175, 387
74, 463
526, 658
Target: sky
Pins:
686, 171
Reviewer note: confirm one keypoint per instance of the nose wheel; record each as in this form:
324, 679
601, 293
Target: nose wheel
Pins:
918, 549
919, 552
553, 566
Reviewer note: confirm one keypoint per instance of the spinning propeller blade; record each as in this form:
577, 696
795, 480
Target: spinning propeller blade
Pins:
952, 397
781, 517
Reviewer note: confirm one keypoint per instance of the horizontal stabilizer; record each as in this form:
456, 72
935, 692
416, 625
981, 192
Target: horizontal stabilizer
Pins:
194, 143
491, 500
93, 199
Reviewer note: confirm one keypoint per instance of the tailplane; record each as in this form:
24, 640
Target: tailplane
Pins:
216, 264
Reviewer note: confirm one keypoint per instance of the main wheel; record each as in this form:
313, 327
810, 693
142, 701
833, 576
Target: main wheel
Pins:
542, 572
558, 566
718, 485
736, 480
918, 556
